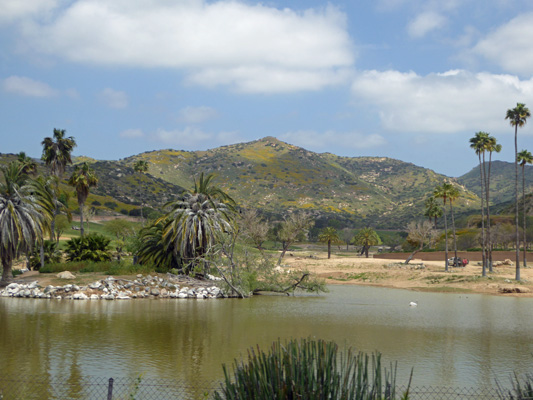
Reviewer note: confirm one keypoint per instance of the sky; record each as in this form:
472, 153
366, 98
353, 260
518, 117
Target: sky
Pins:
409, 79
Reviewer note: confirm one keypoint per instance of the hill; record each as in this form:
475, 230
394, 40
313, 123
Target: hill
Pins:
276, 176
502, 181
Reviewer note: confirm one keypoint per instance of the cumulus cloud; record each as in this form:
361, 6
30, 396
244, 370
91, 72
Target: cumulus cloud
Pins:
17, 9
24, 86
114, 98
510, 46
318, 141
454, 101
196, 115
215, 43
425, 23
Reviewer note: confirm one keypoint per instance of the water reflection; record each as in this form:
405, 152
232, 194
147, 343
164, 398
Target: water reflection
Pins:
450, 340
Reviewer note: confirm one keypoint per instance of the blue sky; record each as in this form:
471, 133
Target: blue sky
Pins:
408, 79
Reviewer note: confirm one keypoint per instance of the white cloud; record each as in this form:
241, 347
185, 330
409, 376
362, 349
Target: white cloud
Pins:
196, 115
132, 134
17, 9
114, 98
320, 142
510, 46
215, 42
425, 23
454, 101
28, 87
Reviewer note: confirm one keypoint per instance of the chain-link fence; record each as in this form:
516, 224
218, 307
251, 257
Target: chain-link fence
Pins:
98, 388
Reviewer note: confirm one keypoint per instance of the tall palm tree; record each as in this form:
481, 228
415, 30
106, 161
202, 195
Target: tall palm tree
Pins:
141, 166
443, 192
329, 235
57, 155
524, 157
480, 143
83, 179
517, 117
491, 146
25, 213
453, 194
433, 210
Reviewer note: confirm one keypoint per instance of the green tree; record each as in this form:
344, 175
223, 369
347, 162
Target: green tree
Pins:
155, 251
93, 247
480, 143
83, 179
329, 235
492, 146
517, 117
366, 237
524, 157
141, 166
25, 213
28, 164
446, 192
57, 155
433, 210
253, 228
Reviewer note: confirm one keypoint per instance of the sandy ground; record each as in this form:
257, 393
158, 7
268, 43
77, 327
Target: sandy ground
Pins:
358, 270
418, 275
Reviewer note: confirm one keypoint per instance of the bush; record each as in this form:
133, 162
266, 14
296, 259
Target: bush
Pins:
92, 247
308, 370
106, 268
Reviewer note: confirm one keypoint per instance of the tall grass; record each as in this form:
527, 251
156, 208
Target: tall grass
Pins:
309, 369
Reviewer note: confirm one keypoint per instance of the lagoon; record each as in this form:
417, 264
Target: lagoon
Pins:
455, 340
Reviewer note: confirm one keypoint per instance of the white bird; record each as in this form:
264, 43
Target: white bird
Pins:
413, 304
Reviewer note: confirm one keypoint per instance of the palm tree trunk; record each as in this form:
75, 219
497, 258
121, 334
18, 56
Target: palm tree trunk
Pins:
445, 237
81, 220
7, 276
454, 236
329, 249
483, 240
489, 237
524, 211
517, 277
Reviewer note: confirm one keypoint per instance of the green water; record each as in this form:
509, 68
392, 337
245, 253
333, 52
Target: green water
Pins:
449, 339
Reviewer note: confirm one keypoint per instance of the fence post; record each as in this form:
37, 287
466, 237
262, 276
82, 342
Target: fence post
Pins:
110, 389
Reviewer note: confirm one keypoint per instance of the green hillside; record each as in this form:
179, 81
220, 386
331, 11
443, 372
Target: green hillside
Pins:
502, 182
276, 176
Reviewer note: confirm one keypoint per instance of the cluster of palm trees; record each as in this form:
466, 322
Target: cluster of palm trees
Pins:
483, 143
29, 205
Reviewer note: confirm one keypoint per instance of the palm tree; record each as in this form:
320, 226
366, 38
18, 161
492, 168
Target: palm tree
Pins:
56, 155
83, 179
480, 143
524, 157
141, 166
25, 212
433, 210
517, 117
329, 235
366, 237
192, 225
203, 186
453, 194
492, 146
444, 192
194, 222
28, 164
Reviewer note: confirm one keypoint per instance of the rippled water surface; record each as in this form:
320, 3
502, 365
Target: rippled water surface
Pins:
449, 339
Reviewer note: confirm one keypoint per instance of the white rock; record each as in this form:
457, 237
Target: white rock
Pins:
94, 297
66, 275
